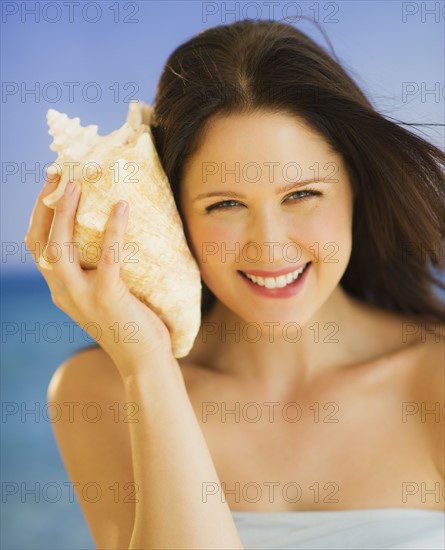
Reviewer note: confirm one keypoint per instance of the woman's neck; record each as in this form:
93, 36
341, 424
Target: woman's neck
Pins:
342, 332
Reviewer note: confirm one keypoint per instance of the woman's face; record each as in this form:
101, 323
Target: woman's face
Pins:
240, 218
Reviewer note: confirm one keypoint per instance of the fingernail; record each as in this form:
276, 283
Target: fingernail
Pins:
52, 176
121, 208
51, 180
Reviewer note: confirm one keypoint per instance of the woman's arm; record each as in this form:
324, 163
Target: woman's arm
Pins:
169, 455
172, 465
93, 436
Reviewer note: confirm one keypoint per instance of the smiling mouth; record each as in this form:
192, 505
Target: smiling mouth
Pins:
276, 282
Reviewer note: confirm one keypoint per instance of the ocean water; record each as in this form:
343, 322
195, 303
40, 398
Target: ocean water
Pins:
38, 510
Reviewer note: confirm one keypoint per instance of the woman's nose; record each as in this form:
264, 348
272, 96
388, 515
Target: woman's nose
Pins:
268, 224
265, 237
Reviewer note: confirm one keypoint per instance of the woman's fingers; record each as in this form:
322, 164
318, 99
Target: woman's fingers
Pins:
108, 268
60, 251
40, 220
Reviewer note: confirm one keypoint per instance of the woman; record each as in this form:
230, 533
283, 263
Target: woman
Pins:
299, 418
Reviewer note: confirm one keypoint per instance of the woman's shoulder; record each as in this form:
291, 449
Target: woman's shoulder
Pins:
409, 341
89, 370
430, 364
423, 362
93, 369
428, 339
419, 357
94, 440
425, 405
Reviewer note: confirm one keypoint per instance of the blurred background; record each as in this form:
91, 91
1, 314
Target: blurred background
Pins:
89, 59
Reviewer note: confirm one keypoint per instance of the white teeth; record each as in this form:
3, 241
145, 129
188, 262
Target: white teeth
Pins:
276, 282
270, 282
281, 281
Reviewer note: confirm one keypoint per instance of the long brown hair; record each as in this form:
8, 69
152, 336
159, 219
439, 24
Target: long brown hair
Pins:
397, 177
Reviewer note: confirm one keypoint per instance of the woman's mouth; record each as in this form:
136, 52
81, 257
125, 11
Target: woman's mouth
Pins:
281, 286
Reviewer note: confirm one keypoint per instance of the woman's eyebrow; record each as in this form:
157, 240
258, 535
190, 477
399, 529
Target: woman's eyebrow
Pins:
234, 194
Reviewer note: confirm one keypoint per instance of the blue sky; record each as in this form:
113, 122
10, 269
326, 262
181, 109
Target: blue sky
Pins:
117, 50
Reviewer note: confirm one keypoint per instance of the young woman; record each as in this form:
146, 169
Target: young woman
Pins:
309, 413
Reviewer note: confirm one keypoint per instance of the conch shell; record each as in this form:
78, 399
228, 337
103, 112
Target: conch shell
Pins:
157, 265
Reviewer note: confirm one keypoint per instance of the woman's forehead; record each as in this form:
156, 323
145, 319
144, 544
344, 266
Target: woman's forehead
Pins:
266, 140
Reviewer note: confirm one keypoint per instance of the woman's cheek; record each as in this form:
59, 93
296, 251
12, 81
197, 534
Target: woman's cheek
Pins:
333, 243
213, 243
221, 244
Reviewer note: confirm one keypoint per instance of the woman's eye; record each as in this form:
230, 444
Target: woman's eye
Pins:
230, 204
307, 192
223, 205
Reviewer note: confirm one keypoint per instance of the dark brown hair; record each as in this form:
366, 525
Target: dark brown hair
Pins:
397, 177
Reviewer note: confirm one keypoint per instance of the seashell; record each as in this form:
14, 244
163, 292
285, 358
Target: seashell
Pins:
157, 265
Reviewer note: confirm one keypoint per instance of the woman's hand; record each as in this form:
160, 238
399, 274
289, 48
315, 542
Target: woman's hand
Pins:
130, 332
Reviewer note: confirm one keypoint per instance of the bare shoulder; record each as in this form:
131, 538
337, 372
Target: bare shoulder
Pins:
88, 370
429, 392
430, 363
94, 442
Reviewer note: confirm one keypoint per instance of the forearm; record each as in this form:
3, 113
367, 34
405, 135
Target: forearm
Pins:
172, 464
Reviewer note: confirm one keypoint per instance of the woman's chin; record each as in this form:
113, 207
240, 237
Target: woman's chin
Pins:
268, 317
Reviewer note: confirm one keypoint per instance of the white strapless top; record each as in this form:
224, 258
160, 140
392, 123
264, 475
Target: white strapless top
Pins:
372, 529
